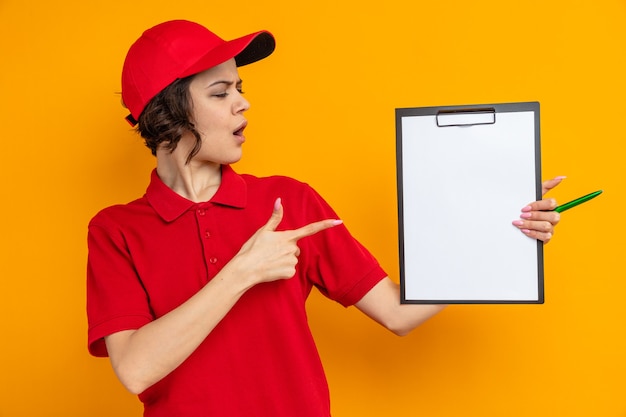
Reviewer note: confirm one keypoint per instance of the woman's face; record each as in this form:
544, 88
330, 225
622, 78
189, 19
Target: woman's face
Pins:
218, 107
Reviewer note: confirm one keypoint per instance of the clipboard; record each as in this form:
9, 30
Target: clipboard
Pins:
463, 175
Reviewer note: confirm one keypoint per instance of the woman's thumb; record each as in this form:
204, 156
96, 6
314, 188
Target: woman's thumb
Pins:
277, 216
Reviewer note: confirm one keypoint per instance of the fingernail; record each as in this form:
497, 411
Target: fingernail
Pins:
337, 222
525, 231
560, 177
518, 222
527, 208
525, 215
277, 204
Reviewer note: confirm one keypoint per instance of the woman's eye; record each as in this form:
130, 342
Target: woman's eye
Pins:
226, 94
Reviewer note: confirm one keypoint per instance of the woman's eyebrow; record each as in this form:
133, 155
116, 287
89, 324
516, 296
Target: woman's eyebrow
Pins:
227, 83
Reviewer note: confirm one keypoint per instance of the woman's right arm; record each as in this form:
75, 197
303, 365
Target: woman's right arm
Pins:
144, 356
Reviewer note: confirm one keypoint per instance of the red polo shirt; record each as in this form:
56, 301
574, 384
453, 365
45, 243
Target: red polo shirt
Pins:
149, 256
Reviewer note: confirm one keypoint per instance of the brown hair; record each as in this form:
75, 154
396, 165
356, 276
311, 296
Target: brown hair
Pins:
167, 117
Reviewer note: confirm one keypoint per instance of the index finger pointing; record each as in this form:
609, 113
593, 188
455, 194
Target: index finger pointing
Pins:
313, 228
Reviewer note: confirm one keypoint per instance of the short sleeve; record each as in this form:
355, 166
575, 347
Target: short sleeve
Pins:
336, 263
116, 299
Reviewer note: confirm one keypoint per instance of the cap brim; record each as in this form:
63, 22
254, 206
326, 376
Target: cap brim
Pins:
245, 50
260, 46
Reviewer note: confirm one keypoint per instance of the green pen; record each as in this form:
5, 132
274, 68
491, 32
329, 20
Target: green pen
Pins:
576, 202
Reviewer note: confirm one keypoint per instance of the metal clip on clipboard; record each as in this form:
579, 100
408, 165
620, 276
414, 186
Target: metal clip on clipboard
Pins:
466, 117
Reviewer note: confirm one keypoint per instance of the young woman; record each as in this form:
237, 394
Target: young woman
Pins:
196, 291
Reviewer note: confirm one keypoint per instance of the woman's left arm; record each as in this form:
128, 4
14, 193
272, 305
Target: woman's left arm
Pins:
382, 302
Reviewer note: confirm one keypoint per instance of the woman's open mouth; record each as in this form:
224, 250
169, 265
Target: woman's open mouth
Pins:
239, 131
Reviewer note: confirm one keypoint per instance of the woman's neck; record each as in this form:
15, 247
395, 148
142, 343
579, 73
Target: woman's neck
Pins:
195, 181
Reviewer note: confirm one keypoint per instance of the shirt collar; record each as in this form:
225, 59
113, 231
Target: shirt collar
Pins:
170, 205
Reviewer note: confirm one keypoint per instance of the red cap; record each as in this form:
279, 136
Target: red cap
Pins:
178, 49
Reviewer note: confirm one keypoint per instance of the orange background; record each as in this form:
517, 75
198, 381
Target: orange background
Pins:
323, 112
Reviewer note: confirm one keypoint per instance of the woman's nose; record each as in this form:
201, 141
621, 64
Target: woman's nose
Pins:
242, 104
